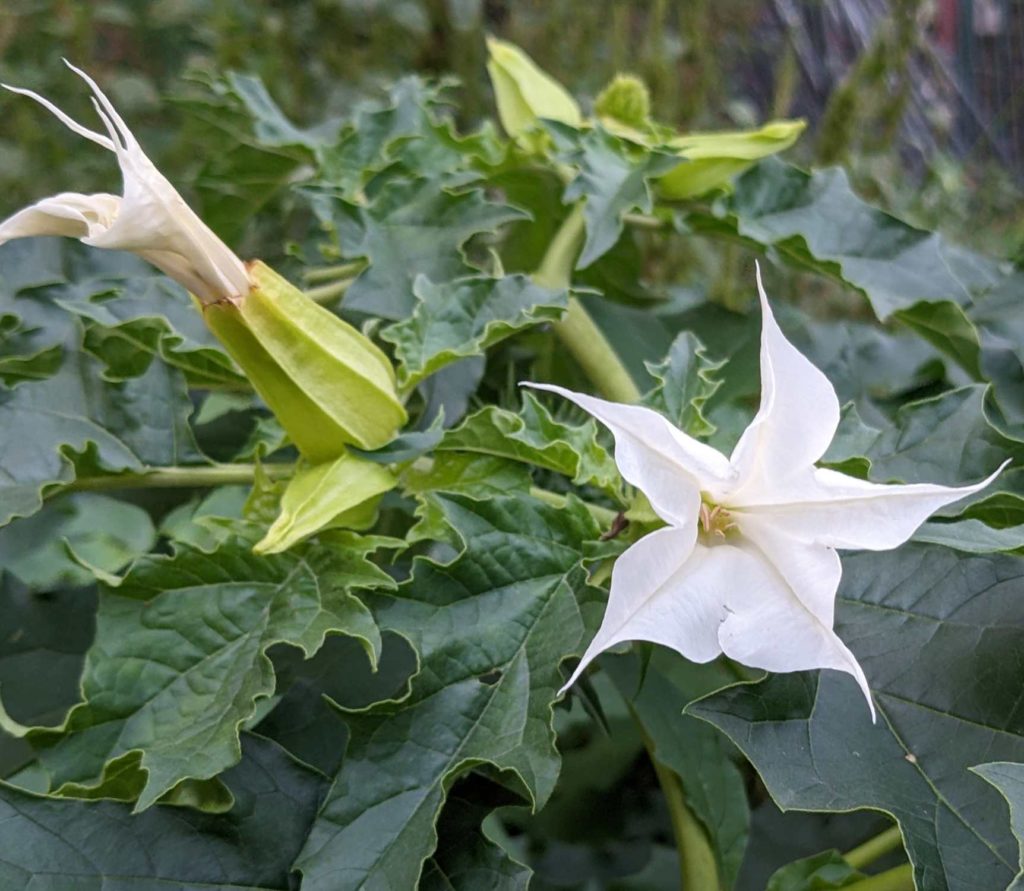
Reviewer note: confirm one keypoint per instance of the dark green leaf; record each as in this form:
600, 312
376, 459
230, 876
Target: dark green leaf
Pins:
686, 380
534, 437
1008, 778
491, 629
179, 662
461, 318
937, 634
54, 845
409, 228
614, 178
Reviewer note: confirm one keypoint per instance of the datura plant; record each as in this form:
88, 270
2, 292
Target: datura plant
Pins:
526, 542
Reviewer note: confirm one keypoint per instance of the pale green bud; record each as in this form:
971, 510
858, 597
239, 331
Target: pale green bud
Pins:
524, 94
327, 383
626, 100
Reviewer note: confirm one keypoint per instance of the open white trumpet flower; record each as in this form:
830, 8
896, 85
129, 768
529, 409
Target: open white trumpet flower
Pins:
151, 219
747, 565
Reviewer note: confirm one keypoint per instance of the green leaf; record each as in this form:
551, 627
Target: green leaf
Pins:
343, 492
409, 228
491, 629
817, 221
1008, 778
465, 858
821, 872
972, 536
534, 437
101, 532
479, 476
51, 430
686, 380
54, 845
41, 650
935, 632
614, 178
712, 784
179, 662
453, 320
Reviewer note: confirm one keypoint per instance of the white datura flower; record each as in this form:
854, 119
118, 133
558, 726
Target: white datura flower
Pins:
151, 219
748, 563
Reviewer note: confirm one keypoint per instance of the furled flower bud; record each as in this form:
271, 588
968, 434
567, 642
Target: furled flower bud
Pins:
327, 383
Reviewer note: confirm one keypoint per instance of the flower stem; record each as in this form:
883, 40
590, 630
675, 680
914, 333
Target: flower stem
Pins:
179, 477
873, 848
698, 870
327, 293
332, 273
899, 878
577, 330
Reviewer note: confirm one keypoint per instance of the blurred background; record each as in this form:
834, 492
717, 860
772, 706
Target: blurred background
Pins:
922, 100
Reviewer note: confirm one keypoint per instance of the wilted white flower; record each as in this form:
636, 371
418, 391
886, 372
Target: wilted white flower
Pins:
747, 565
151, 219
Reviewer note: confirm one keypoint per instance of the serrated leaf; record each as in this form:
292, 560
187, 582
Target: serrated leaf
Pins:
52, 429
686, 380
972, 536
409, 228
99, 531
935, 632
817, 221
479, 476
460, 318
179, 662
53, 845
534, 437
614, 177
1008, 778
491, 629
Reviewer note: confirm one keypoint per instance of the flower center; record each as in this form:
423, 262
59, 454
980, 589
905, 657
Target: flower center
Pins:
715, 522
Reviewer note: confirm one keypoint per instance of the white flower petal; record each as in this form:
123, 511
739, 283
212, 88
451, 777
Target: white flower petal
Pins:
797, 419
151, 220
840, 511
668, 466
768, 626
68, 214
810, 569
667, 591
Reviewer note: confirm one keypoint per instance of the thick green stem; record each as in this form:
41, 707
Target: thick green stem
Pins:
242, 474
899, 878
698, 870
584, 340
333, 273
179, 478
327, 293
867, 853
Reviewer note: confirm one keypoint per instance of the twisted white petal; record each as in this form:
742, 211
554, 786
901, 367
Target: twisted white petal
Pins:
761, 586
151, 219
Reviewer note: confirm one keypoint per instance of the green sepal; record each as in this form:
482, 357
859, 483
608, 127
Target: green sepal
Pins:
327, 383
713, 159
343, 492
524, 94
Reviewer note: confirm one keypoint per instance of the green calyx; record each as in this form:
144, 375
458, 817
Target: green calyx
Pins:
327, 383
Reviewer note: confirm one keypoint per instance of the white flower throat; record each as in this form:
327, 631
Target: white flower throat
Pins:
715, 523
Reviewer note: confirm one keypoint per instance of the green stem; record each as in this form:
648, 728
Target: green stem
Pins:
577, 331
179, 477
873, 848
241, 474
327, 293
330, 273
899, 878
698, 870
